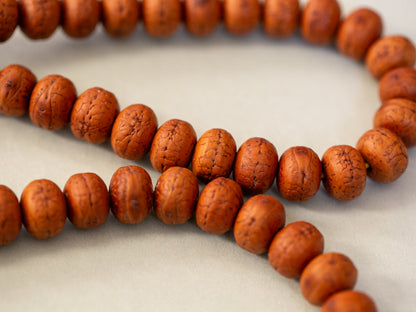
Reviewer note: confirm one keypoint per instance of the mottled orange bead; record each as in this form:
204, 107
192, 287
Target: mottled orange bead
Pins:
161, 17
120, 17
202, 17
281, 17
241, 16
10, 216
9, 18
398, 83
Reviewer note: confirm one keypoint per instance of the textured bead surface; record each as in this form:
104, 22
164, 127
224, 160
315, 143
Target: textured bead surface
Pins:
10, 216
398, 83
389, 53
161, 17
326, 275
9, 18
344, 172
214, 155
51, 102
218, 206
320, 20
241, 16
257, 222
120, 17
299, 174
88, 200
293, 247
131, 194
255, 165
201, 17
16, 85
93, 115
349, 301
172, 145
175, 195
80, 17
385, 153
281, 17
358, 31
43, 209
133, 131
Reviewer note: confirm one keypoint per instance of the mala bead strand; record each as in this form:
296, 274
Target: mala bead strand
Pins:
202, 17
241, 16
10, 216
161, 17
398, 83
120, 17
80, 17
9, 18
281, 17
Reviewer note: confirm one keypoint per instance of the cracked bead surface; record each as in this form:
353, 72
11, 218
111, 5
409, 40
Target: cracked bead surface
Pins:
80, 17
281, 17
9, 18
344, 171
241, 16
120, 17
214, 155
398, 83
202, 17
257, 222
161, 17
43, 209
10, 216
218, 206
172, 145
133, 131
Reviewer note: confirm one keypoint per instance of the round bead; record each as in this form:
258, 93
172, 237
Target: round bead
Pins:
131, 194
294, 247
398, 83
202, 16
88, 200
172, 145
39, 18
399, 116
161, 17
10, 216
385, 153
344, 172
9, 18
175, 195
241, 16
16, 85
349, 301
389, 53
93, 115
43, 209
133, 131
79, 17
320, 20
51, 102
326, 275
255, 165
299, 174
120, 17
214, 155
358, 31
281, 17
257, 223
218, 206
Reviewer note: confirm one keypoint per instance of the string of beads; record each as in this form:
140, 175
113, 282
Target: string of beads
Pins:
295, 250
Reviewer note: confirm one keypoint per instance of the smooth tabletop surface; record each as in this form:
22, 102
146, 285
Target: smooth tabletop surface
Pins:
286, 91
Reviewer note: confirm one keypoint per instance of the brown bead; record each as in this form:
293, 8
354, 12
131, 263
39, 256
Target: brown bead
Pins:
326, 275
257, 222
161, 17
255, 165
281, 17
214, 155
201, 17
79, 17
131, 194
133, 131
43, 209
389, 53
299, 174
93, 115
398, 83
39, 18
88, 200
399, 116
294, 247
345, 173
175, 195
358, 31
51, 102
16, 85
120, 17
10, 216
9, 18
385, 153
320, 20
218, 206
241, 16
172, 145
349, 301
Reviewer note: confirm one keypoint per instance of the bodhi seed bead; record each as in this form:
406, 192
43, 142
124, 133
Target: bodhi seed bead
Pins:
201, 17
398, 83
80, 17
9, 18
120, 17
241, 16
10, 216
161, 17
349, 301
281, 17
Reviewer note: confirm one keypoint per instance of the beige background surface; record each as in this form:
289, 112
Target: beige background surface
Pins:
286, 91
